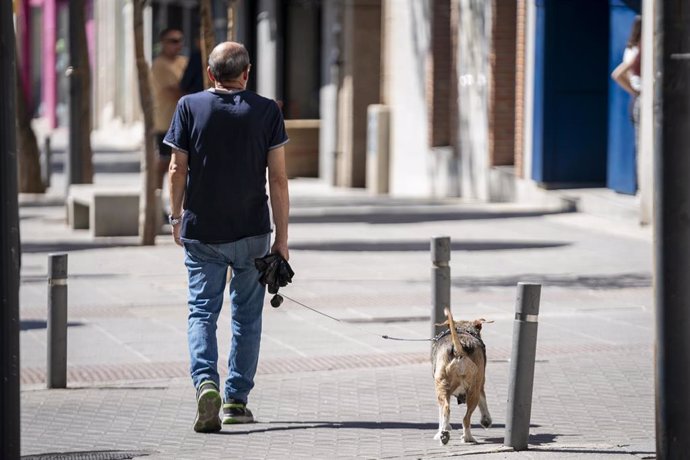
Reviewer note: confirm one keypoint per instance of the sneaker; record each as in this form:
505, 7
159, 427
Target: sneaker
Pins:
208, 402
236, 412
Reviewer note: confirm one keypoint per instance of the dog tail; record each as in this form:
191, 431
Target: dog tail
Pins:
453, 331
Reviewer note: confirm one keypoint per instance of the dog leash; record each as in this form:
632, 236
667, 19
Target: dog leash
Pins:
383, 336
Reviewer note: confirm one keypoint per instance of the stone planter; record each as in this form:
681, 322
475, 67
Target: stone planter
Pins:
302, 152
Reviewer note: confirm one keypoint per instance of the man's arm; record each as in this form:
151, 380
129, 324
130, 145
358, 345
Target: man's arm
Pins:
177, 173
280, 199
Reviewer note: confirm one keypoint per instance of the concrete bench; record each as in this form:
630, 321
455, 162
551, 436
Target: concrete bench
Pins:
302, 152
104, 210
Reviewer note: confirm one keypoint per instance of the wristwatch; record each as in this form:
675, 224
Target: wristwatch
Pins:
174, 220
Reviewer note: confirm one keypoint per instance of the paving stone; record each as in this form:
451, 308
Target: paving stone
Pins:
338, 390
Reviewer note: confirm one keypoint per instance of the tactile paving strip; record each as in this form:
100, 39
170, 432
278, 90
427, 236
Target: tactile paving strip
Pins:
164, 370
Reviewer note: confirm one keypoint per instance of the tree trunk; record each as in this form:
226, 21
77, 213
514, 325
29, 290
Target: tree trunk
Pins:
148, 215
29, 167
79, 168
207, 39
84, 70
232, 19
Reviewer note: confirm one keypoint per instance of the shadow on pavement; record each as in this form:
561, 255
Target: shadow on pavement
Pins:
67, 246
594, 451
30, 324
307, 202
534, 439
305, 425
116, 387
104, 161
39, 279
387, 217
91, 455
40, 201
613, 281
406, 246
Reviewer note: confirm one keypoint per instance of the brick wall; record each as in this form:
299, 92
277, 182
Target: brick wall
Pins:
441, 79
520, 86
502, 83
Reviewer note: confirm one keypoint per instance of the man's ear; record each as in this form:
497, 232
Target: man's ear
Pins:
210, 74
245, 74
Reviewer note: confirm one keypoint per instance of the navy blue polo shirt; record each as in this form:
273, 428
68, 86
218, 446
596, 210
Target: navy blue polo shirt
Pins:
227, 136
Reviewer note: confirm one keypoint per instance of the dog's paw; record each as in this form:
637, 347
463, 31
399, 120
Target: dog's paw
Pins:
443, 436
485, 422
468, 439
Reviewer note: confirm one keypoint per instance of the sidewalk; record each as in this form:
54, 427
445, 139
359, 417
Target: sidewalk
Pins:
327, 389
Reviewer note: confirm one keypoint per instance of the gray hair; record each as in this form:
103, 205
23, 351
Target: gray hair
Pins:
228, 60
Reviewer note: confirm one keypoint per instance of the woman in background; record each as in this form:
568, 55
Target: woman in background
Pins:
627, 75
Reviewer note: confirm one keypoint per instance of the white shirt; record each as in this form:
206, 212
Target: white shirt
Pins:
628, 56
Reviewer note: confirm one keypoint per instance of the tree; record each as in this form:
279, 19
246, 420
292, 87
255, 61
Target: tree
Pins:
29, 167
85, 108
207, 39
232, 18
10, 437
148, 202
80, 95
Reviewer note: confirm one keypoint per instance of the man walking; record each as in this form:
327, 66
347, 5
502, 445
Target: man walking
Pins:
223, 140
166, 70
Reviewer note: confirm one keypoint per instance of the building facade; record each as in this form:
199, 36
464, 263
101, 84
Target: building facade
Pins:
492, 100
488, 99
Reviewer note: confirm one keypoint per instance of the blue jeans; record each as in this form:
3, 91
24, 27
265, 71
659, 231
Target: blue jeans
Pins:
207, 266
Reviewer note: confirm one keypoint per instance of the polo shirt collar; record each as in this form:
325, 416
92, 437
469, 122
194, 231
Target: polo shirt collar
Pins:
224, 91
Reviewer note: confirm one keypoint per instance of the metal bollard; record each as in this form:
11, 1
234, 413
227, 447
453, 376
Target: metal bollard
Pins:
56, 376
46, 167
519, 405
440, 281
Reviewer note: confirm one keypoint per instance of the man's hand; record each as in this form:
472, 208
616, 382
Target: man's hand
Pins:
282, 249
176, 234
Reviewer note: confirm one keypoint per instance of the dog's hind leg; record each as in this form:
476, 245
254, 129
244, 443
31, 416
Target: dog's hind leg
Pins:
444, 427
472, 401
485, 421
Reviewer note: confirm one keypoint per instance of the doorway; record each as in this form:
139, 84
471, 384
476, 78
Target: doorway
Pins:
571, 93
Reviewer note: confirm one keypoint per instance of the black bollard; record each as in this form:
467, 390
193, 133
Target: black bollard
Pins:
519, 405
56, 377
440, 281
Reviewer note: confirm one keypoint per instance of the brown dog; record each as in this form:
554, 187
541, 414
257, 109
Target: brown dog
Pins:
458, 360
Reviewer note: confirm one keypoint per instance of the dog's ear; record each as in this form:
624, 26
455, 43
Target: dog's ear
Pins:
478, 323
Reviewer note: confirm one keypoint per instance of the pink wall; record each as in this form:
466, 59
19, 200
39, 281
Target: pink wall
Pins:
90, 32
50, 16
49, 77
23, 24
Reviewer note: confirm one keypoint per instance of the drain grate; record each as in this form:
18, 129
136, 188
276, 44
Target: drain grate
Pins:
91, 455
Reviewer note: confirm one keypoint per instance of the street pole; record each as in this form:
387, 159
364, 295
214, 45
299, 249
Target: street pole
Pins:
46, 167
440, 282
56, 373
672, 226
73, 165
9, 244
523, 357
